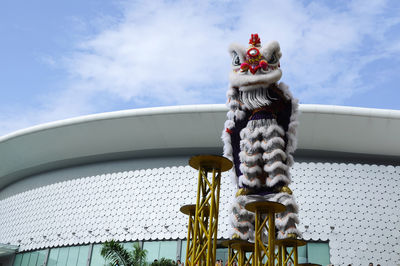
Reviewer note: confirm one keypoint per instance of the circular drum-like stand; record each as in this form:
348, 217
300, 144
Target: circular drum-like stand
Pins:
264, 221
203, 222
190, 210
237, 250
286, 256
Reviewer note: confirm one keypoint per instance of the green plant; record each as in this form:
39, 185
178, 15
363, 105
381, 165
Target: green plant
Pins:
163, 262
119, 256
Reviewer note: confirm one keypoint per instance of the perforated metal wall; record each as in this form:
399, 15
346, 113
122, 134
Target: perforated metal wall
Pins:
352, 206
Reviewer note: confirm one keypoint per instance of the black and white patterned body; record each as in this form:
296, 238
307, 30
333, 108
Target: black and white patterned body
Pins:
259, 137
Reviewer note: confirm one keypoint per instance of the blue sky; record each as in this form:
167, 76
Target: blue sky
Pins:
61, 59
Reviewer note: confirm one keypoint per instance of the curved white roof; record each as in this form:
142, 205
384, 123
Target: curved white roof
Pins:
155, 131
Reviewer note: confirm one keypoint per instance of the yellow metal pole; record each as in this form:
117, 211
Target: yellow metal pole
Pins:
271, 238
291, 256
203, 236
284, 258
257, 254
218, 188
188, 239
267, 209
216, 205
240, 262
210, 254
229, 255
280, 263
196, 220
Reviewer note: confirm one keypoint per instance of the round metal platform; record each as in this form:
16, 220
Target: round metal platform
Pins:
290, 242
227, 243
190, 209
239, 244
245, 246
265, 206
210, 162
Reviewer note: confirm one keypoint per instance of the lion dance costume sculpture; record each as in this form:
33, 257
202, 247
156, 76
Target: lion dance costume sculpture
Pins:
259, 137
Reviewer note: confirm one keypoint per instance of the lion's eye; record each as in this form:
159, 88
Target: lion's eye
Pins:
273, 59
235, 59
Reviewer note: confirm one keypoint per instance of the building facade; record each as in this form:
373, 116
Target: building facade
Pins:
68, 186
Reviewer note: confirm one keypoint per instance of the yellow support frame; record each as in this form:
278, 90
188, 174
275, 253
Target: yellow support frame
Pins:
286, 256
237, 250
203, 223
190, 210
265, 222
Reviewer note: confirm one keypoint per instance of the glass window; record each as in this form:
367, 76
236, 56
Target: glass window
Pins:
62, 257
168, 250
302, 254
318, 253
53, 256
222, 254
18, 259
73, 254
153, 250
97, 259
83, 255
41, 257
33, 258
129, 245
25, 259
183, 251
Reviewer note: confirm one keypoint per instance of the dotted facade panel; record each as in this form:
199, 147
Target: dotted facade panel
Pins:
354, 207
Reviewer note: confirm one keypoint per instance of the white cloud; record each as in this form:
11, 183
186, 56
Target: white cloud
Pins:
175, 52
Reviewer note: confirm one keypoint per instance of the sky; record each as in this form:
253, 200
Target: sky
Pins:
61, 59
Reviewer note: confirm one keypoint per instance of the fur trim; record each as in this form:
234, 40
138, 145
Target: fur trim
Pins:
266, 131
242, 200
273, 128
254, 183
229, 124
235, 223
283, 235
244, 236
287, 200
272, 167
269, 155
227, 149
239, 49
250, 170
231, 93
240, 115
250, 147
282, 222
272, 181
253, 99
234, 104
292, 230
270, 48
230, 115
247, 82
266, 145
289, 160
250, 158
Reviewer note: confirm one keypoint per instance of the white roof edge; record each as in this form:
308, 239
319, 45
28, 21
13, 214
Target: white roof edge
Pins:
180, 109
304, 108
93, 137
350, 111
